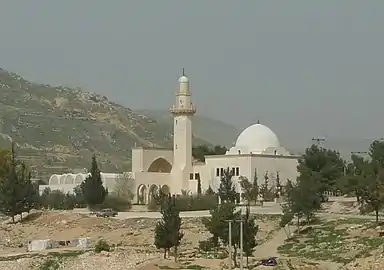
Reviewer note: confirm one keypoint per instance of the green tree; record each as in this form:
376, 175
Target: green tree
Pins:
17, 193
168, 230
250, 190
246, 187
250, 230
210, 191
265, 190
199, 152
303, 200
372, 178
217, 225
92, 187
351, 183
326, 163
227, 192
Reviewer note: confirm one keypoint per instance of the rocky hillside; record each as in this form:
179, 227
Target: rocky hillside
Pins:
57, 129
208, 129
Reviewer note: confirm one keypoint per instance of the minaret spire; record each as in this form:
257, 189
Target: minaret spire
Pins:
183, 72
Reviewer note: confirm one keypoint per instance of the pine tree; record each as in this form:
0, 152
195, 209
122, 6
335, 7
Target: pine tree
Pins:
12, 188
218, 226
167, 230
92, 187
227, 190
249, 233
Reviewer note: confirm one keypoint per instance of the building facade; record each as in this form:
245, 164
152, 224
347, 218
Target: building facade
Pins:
257, 151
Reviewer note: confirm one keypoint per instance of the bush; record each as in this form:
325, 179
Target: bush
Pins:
196, 202
116, 203
55, 199
102, 245
206, 245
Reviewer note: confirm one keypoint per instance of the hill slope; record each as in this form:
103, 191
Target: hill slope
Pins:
58, 128
211, 130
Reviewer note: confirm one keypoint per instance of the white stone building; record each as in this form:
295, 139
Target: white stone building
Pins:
67, 182
257, 149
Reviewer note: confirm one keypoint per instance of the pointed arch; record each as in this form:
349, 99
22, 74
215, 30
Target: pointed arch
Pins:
160, 165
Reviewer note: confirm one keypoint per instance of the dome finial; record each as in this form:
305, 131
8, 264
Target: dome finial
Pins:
258, 121
183, 72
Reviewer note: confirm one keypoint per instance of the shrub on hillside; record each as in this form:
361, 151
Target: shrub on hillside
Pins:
116, 203
102, 245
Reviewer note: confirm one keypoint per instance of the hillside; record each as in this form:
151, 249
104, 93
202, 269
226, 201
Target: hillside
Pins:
208, 129
57, 129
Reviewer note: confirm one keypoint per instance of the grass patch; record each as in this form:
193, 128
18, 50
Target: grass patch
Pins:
326, 242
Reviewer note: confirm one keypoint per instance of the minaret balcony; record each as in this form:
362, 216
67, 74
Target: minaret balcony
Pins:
180, 111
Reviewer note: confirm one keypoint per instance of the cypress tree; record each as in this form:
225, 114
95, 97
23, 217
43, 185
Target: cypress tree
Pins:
12, 190
92, 187
249, 234
198, 186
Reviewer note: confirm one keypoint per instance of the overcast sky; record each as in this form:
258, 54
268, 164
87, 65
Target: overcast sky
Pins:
304, 68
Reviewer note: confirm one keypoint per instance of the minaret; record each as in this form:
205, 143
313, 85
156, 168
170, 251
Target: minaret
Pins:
182, 112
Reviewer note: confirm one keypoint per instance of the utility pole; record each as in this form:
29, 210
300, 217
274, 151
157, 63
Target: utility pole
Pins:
229, 244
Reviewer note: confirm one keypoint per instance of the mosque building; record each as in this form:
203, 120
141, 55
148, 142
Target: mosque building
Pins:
257, 150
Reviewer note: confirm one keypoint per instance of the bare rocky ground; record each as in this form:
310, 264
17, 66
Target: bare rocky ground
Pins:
133, 239
343, 243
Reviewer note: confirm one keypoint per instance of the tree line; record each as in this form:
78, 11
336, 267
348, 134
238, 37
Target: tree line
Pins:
321, 170
18, 194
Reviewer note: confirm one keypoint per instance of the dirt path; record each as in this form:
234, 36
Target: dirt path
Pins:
269, 248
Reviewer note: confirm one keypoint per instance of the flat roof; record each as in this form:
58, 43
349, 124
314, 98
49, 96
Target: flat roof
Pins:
255, 155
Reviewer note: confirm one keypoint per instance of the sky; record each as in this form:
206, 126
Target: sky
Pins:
304, 68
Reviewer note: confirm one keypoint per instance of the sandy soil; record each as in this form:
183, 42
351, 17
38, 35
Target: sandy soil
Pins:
134, 238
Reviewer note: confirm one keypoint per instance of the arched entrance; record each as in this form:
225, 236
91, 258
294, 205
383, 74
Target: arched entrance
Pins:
165, 190
142, 194
160, 165
153, 192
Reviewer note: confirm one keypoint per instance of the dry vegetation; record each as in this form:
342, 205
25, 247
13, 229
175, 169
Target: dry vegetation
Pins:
133, 238
327, 244
338, 242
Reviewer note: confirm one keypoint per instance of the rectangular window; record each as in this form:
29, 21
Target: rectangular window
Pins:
221, 171
237, 171
191, 176
197, 176
233, 171
217, 171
